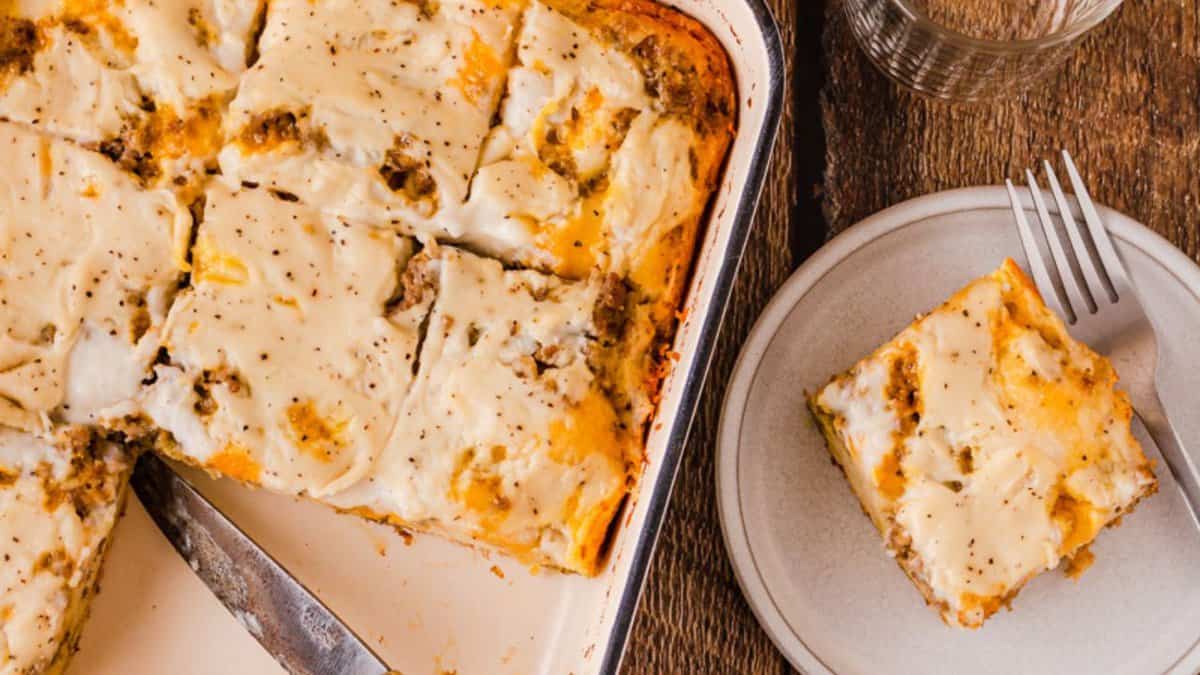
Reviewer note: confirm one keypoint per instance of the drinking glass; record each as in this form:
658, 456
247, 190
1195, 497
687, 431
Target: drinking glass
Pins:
952, 62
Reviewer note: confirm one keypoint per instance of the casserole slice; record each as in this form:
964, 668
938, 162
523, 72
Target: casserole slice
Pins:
986, 445
59, 501
90, 263
615, 120
372, 109
508, 436
288, 359
143, 81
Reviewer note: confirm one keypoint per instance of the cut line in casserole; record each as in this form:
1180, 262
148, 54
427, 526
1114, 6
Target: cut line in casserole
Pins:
436, 392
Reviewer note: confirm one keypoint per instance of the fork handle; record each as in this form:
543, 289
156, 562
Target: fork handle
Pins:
1178, 461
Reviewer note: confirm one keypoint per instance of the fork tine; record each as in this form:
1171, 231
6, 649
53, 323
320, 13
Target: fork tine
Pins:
1095, 286
1113, 267
1077, 303
1033, 254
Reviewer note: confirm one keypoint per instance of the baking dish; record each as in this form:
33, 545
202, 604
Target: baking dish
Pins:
425, 604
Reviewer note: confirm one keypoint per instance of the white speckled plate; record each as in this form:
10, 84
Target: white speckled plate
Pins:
812, 566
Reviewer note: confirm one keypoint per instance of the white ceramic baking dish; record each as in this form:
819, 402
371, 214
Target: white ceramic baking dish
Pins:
429, 605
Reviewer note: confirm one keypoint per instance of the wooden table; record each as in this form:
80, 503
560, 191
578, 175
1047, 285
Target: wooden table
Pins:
1127, 106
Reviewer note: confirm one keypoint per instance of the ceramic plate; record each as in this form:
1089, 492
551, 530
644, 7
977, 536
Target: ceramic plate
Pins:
811, 564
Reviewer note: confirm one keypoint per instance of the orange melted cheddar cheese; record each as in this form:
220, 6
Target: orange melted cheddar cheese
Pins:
986, 445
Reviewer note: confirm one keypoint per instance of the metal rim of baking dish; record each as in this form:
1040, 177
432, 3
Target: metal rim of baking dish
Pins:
802, 280
659, 494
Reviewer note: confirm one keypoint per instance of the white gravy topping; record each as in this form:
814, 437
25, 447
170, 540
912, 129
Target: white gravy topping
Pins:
392, 100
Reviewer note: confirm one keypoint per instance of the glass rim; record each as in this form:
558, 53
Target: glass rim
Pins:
1073, 30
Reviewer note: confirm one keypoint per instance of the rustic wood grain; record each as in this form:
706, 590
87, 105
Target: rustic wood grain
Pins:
1127, 105
693, 618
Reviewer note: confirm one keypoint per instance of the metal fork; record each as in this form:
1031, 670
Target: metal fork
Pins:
1104, 311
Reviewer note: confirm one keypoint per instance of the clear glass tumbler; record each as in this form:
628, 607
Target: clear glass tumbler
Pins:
949, 60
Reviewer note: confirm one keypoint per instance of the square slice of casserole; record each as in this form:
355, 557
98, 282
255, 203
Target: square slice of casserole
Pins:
90, 262
985, 444
508, 436
59, 500
144, 81
288, 359
372, 110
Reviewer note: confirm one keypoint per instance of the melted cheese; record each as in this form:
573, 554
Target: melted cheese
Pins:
1020, 455
236, 462
575, 242
84, 282
299, 396
419, 80
97, 61
57, 508
481, 69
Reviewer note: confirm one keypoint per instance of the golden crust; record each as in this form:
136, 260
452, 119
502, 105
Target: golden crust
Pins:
105, 490
688, 73
80, 604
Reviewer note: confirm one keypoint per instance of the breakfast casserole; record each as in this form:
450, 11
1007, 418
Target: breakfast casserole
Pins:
420, 261
368, 181
986, 445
